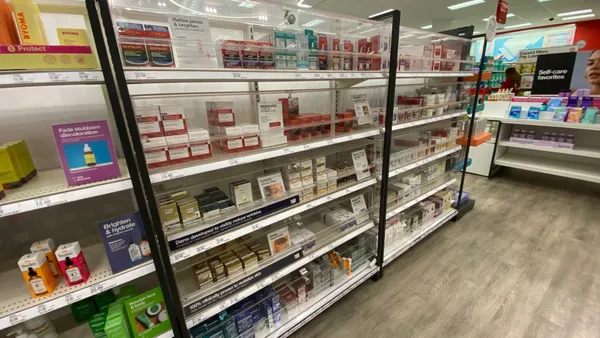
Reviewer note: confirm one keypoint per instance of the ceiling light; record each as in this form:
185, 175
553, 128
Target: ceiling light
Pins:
426, 36
465, 4
263, 18
575, 12
544, 0
301, 4
211, 10
380, 13
313, 23
509, 15
518, 26
405, 36
476, 32
247, 4
580, 17
427, 27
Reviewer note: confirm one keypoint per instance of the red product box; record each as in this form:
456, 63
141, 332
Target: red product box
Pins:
234, 141
223, 115
72, 263
326, 128
156, 158
362, 49
265, 55
322, 46
337, 56
179, 153
293, 134
250, 55
285, 108
306, 131
410, 100
375, 46
200, 150
316, 130
251, 136
173, 118
149, 122
230, 52
348, 55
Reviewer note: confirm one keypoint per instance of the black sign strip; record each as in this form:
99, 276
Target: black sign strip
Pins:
230, 289
231, 223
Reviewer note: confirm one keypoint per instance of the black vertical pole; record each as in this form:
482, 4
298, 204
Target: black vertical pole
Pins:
471, 123
387, 137
134, 156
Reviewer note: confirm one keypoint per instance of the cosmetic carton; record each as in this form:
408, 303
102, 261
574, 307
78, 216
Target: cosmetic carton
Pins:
573, 101
188, 209
319, 169
348, 55
249, 54
265, 56
179, 154
241, 193
222, 114
320, 188
147, 314
37, 274
47, 247
104, 300
156, 158
173, 119
230, 54
72, 263
200, 147
149, 122
8, 31
291, 176
11, 172
97, 323
169, 215
279, 240
30, 26
271, 186
251, 136
234, 141
175, 140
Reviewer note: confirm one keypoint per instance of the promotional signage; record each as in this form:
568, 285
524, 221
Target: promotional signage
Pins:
125, 241
86, 152
186, 240
241, 284
531, 55
501, 11
553, 73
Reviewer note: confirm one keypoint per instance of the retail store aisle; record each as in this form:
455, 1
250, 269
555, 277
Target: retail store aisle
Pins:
524, 263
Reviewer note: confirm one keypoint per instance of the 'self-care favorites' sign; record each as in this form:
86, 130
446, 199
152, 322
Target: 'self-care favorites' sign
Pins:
553, 73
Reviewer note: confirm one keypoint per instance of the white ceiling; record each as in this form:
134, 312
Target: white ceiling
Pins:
418, 13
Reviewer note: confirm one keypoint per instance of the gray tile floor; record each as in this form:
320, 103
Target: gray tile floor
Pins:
524, 263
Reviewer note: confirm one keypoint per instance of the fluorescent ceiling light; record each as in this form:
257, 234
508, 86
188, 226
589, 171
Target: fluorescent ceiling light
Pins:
544, 0
301, 4
580, 17
405, 36
427, 27
465, 4
313, 23
247, 4
518, 26
426, 36
509, 15
476, 32
380, 13
575, 12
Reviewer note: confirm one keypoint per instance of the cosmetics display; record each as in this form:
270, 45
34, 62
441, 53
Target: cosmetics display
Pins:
547, 139
572, 109
431, 57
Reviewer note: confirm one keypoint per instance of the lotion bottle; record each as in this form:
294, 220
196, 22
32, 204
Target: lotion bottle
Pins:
134, 252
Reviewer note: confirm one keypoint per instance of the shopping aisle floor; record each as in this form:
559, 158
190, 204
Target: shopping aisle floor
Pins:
524, 263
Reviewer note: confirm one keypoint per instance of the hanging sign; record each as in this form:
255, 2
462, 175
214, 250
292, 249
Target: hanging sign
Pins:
490, 29
501, 11
553, 73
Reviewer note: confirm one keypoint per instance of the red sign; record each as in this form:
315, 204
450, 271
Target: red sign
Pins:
501, 11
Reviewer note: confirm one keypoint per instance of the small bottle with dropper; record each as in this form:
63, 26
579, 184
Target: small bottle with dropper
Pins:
89, 156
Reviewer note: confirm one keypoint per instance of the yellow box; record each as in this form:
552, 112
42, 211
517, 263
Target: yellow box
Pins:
37, 274
47, 247
46, 57
21, 152
10, 171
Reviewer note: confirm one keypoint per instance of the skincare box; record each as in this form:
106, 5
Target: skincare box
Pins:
222, 114
251, 136
37, 274
200, 146
169, 216
156, 158
279, 240
234, 141
241, 193
149, 122
47, 247
16, 163
291, 176
188, 209
173, 119
179, 153
147, 314
72, 263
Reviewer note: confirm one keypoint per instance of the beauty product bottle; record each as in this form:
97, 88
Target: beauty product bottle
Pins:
88, 154
37, 284
561, 138
134, 251
145, 247
544, 106
8, 30
73, 273
570, 139
29, 24
546, 136
531, 135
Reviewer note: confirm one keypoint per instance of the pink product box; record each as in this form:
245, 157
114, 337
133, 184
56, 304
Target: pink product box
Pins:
72, 263
542, 143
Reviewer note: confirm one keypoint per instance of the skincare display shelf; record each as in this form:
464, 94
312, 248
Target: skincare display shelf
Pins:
433, 189
583, 151
552, 166
393, 252
198, 167
421, 122
203, 246
49, 188
17, 305
421, 162
10, 79
548, 123
229, 75
214, 309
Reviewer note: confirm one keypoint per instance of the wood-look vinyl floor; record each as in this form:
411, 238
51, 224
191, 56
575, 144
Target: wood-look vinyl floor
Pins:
524, 263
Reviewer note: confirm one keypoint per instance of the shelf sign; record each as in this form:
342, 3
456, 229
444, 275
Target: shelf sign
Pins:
230, 289
501, 11
193, 238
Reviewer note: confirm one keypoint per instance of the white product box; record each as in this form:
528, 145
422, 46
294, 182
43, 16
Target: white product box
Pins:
156, 157
279, 240
177, 139
232, 131
222, 113
241, 193
331, 185
70, 250
153, 142
332, 174
149, 122
321, 188
173, 119
291, 176
199, 134
250, 128
179, 153
269, 140
270, 117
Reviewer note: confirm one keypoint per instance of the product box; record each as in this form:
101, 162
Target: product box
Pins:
37, 274
72, 263
97, 323
125, 241
147, 314
179, 153
173, 120
188, 209
86, 152
169, 215
319, 169
16, 166
279, 240
249, 55
47, 247
251, 136
222, 114
271, 186
149, 123
265, 56
230, 54
291, 176
200, 146
234, 141
156, 158
241, 193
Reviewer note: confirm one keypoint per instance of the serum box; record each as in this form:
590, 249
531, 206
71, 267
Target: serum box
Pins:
72, 263
37, 274
47, 247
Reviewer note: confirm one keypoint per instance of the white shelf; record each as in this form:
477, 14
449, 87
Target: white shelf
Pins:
419, 199
188, 169
549, 123
577, 151
428, 120
59, 77
49, 188
17, 305
584, 172
220, 306
394, 252
423, 161
309, 310
228, 75
203, 246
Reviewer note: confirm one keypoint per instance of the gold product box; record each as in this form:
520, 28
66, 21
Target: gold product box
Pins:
46, 57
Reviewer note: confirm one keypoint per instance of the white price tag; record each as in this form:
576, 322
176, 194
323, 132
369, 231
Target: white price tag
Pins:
181, 256
361, 175
348, 190
309, 206
316, 75
255, 226
329, 198
10, 209
303, 271
200, 249
85, 76
169, 175
353, 75
17, 318
197, 320
48, 201
330, 142
238, 76
300, 76
140, 75
329, 75
58, 77
364, 75
306, 147
373, 262
73, 297
288, 150
45, 308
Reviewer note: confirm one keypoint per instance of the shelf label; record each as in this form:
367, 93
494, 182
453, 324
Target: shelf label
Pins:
17, 318
316, 75
234, 287
169, 175
300, 76
236, 161
47, 201
181, 256
10, 209
74, 297
45, 308
58, 77
239, 76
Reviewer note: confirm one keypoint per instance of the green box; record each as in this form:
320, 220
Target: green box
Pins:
147, 314
83, 310
127, 291
104, 299
97, 323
